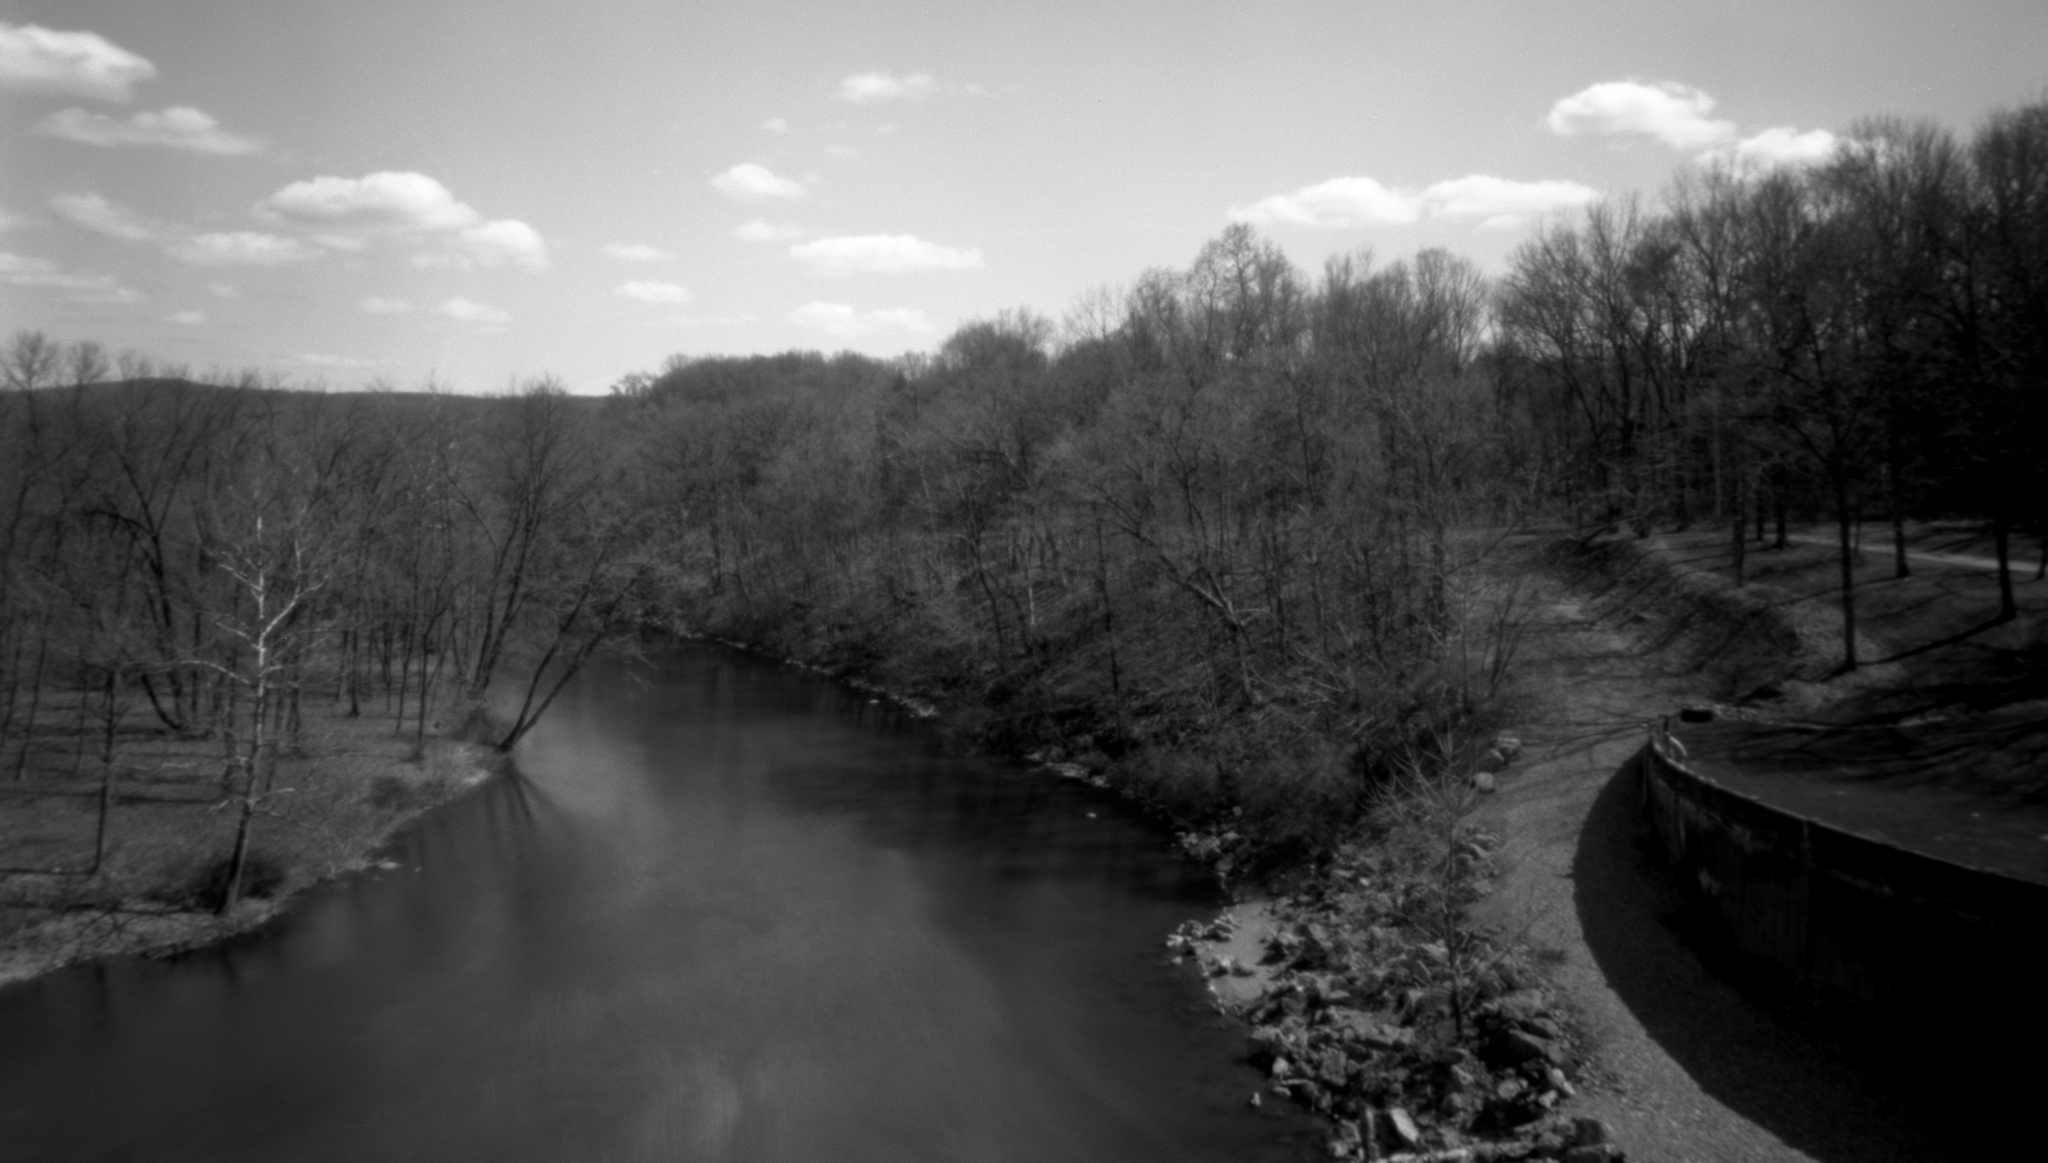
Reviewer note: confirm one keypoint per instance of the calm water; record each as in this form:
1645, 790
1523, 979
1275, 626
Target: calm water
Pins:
726, 912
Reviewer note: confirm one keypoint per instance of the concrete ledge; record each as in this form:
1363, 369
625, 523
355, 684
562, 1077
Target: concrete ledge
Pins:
1843, 920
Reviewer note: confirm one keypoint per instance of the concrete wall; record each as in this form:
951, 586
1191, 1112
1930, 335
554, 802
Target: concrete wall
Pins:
1845, 920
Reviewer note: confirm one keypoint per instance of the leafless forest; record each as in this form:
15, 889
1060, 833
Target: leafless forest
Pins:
1226, 526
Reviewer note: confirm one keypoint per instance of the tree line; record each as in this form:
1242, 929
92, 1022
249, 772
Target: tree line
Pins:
1218, 526
1861, 339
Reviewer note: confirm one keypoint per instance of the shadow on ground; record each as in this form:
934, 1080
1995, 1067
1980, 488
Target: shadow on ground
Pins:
1850, 1089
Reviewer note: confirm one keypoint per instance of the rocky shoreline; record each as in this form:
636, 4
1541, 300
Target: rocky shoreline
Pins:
1374, 1002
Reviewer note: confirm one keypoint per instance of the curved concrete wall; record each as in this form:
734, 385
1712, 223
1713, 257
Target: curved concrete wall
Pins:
1847, 919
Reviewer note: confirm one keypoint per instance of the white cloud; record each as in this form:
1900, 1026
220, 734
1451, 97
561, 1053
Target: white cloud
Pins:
748, 182
179, 127
14, 267
96, 213
384, 201
19, 271
1674, 114
1502, 201
776, 125
842, 321
1345, 203
648, 292
85, 64
761, 230
187, 318
342, 211
506, 241
1784, 145
378, 305
470, 311
635, 252
889, 254
862, 88
241, 248
1335, 204
224, 290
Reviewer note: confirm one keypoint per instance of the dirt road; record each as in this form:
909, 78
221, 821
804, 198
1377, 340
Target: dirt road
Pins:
1690, 1069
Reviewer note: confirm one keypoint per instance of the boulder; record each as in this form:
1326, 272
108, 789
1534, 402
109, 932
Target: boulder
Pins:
1512, 1047
1401, 1127
1588, 1131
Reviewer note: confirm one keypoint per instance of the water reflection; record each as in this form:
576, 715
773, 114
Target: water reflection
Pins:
726, 913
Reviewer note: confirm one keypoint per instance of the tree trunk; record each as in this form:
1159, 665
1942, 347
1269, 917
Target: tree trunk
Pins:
1781, 503
35, 703
1843, 519
99, 835
1737, 544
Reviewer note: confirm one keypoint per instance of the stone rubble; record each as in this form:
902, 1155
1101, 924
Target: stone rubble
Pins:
1415, 1043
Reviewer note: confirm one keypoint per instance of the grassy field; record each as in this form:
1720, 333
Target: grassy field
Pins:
1939, 741
170, 827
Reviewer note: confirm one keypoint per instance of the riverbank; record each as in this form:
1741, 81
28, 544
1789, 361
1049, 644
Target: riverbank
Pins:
1680, 1064
1374, 1000
335, 801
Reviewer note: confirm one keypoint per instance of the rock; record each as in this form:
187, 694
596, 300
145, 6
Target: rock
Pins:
1282, 1068
1483, 783
1368, 1029
1602, 1153
1559, 1083
1094, 761
1507, 745
1401, 1125
1523, 1005
1588, 1131
1267, 1042
1513, 1047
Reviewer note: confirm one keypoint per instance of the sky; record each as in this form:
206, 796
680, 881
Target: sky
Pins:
472, 194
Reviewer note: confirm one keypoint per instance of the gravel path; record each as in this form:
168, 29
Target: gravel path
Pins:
1686, 1068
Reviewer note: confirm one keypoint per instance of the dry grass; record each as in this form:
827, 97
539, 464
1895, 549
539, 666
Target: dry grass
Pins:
1937, 743
335, 799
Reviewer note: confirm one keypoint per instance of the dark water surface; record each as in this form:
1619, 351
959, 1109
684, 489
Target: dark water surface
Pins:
726, 912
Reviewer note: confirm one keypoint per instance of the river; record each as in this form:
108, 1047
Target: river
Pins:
723, 911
